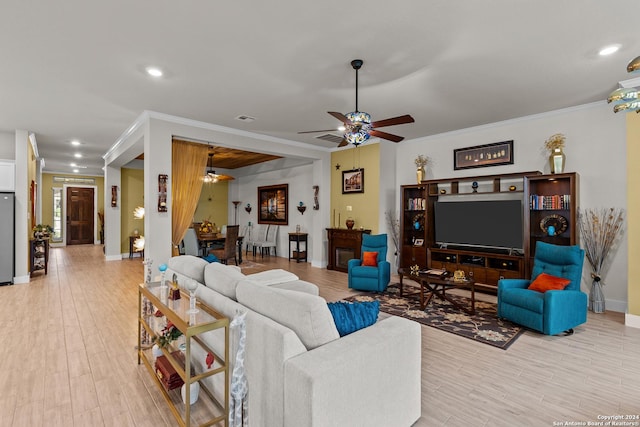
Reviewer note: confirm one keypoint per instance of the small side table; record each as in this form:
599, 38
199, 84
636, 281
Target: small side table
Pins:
298, 238
132, 250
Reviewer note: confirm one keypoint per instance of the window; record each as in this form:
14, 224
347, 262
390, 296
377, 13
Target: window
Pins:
57, 214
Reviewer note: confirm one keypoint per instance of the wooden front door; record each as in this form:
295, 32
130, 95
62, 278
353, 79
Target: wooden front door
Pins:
79, 216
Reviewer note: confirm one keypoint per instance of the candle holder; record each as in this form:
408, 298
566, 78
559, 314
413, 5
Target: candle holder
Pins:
301, 209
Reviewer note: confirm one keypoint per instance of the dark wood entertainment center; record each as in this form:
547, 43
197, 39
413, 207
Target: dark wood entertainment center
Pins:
546, 200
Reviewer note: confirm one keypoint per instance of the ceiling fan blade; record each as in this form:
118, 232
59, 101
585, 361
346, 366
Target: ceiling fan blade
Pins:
340, 117
343, 143
400, 120
325, 130
385, 135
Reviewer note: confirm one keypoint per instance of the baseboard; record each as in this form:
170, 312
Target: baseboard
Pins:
114, 257
632, 320
616, 305
21, 279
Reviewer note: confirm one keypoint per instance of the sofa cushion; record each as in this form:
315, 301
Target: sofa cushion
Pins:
352, 316
270, 277
222, 278
298, 285
189, 266
307, 315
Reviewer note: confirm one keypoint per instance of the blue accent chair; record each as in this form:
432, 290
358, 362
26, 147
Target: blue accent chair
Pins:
366, 278
551, 312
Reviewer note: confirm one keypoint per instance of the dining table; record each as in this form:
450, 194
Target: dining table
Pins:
207, 241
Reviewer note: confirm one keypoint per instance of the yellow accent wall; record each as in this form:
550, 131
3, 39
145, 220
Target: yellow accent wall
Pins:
365, 206
633, 212
214, 204
132, 188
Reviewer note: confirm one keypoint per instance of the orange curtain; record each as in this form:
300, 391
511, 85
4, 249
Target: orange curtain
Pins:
188, 160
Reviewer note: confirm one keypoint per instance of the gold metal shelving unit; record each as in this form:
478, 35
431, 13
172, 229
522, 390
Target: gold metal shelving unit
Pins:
208, 410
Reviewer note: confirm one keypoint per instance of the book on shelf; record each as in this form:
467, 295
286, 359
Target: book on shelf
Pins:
416, 203
550, 202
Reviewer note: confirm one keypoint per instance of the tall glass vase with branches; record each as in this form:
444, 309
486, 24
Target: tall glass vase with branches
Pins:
393, 224
599, 229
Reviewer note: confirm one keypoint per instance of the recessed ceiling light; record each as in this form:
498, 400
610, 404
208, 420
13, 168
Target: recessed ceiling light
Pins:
77, 155
73, 165
76, 171
608, 50
75, 142
154, 71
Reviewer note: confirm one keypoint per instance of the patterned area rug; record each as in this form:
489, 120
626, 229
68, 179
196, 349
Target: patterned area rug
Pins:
483, 326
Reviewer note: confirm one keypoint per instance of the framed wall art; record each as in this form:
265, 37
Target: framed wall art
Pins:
273, 201
499, 153
353, 181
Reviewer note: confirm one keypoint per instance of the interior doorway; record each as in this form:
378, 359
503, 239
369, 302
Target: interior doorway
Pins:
80, 215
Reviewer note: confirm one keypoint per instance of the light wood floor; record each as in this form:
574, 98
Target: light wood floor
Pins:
67, 357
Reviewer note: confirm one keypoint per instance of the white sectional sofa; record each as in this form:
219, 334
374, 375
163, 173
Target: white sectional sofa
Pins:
300, 372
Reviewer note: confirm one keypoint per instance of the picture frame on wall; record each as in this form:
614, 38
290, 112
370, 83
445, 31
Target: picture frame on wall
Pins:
499, 153
273, 204
353, 181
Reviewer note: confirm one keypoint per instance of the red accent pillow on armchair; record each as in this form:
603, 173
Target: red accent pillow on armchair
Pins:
370, 259
546, 282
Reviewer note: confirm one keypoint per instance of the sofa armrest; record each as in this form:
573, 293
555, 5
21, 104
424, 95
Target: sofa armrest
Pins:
371, 377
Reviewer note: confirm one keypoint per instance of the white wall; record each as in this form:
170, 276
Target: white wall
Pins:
595, 148
300, 180
8, 145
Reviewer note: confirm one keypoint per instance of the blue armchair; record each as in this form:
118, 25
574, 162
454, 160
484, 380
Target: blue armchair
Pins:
367, 278
553, 311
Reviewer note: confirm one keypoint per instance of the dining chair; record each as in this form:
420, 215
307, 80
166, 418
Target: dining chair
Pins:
230, 249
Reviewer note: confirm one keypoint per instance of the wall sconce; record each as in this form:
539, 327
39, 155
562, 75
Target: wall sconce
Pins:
162, 192
316, 204
248, 208
301, 208
114, 196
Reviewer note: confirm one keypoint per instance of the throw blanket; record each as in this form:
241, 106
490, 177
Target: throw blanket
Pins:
239, 404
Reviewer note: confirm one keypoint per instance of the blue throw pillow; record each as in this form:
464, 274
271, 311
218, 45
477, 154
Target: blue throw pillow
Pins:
352, 316
211, 258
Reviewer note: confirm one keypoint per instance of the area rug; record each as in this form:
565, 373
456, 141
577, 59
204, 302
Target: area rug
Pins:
483, 326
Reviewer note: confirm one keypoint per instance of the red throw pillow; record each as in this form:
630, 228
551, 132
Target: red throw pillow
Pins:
546, 282
370, 259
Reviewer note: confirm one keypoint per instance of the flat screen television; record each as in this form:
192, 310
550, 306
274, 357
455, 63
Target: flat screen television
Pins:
492, 224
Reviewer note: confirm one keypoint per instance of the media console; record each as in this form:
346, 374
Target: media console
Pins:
545, 199
485, 268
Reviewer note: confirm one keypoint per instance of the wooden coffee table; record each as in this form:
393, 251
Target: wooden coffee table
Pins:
432, 285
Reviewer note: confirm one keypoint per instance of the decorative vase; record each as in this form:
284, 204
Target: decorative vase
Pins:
556, 160
350, 223
420, 174
193, 394
596, 296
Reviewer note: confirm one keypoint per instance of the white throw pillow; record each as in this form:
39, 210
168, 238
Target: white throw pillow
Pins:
307, 315
188, 265
222, 278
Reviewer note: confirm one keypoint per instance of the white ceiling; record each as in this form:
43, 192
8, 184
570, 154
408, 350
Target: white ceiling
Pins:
74, 69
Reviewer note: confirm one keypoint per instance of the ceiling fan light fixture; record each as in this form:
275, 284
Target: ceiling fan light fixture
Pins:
634, 65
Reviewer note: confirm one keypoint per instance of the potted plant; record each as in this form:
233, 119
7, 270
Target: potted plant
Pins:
41, 231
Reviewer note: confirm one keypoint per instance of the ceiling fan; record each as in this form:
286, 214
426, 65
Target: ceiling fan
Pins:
358, 125
210, 175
